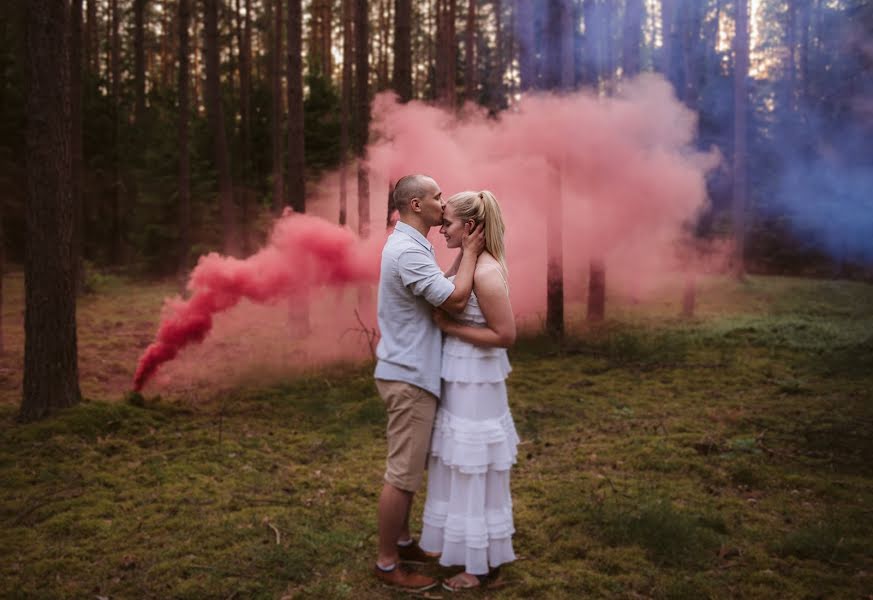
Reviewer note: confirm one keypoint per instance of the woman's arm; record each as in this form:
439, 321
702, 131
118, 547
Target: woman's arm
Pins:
453, 270
499, 331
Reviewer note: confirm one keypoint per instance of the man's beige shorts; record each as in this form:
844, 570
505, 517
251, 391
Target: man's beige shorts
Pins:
411, 412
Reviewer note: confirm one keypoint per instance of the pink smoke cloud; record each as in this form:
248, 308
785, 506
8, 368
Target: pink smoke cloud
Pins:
303, 253
623, 170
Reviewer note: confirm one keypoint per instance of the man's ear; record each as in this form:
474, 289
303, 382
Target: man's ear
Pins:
415, 204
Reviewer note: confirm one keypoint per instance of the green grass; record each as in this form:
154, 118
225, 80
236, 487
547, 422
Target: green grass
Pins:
728, 456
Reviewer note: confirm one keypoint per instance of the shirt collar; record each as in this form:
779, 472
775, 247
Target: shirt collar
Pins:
414, 233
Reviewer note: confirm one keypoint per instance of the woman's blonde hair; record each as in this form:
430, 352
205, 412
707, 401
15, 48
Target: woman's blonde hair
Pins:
482, 207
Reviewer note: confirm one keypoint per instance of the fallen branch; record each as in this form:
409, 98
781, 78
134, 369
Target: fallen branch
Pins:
275, 530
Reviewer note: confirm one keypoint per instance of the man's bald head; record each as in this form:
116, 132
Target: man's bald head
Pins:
409, 187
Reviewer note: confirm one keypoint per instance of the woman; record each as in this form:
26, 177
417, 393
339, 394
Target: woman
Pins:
468, 511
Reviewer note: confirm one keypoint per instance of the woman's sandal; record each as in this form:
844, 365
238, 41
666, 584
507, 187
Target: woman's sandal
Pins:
468, 581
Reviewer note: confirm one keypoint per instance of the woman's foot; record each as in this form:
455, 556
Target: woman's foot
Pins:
464, 581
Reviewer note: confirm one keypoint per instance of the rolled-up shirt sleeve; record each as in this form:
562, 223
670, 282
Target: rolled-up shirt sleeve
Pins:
420, 273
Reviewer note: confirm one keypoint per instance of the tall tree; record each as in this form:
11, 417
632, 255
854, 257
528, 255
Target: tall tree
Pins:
244, 43
402, 72
184, 157
320, 37
115, 74
446, 60
526, 49
296, 180
668, 39
76, 67
632, 38
470, 53
362, 110
689, 25
92, 58
560, 74
346, 100
51, 373
139, 58
275, 20
215, 115
740, 181
497, 94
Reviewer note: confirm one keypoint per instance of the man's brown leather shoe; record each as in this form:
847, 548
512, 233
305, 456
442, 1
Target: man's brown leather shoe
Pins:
401, 578
414, 554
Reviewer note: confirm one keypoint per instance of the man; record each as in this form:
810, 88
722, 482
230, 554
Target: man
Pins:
409, 360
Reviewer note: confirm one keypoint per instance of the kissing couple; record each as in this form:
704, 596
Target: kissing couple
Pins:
441, 371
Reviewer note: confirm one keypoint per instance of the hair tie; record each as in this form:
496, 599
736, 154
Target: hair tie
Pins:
481, 195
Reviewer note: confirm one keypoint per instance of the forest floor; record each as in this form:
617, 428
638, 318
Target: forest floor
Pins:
729, 456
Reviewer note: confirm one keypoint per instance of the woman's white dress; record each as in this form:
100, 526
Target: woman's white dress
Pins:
468, 511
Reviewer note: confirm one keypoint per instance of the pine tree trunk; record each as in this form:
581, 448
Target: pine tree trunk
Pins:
632, 38
470, 85
115, 68
77, 153
139, 58
596, 290
362, 109
526, 48
277, 107
589, 70
497, 93
690, 24
215, 115
668, 38
805, 17
345, 113
92, 55
184, 157
51, 376
791, 46
566, 47
402, 74
446, 63
296, 179
740, 192
555, 261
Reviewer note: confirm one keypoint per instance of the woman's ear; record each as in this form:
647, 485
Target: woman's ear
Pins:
469, 225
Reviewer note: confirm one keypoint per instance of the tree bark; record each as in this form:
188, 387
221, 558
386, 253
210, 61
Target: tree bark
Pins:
215, 115
362, 92
470, 84
345, 113
275, 20
51, 375
296, 179
632, 38
139, 58
402, 72
184, 156
740, 191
